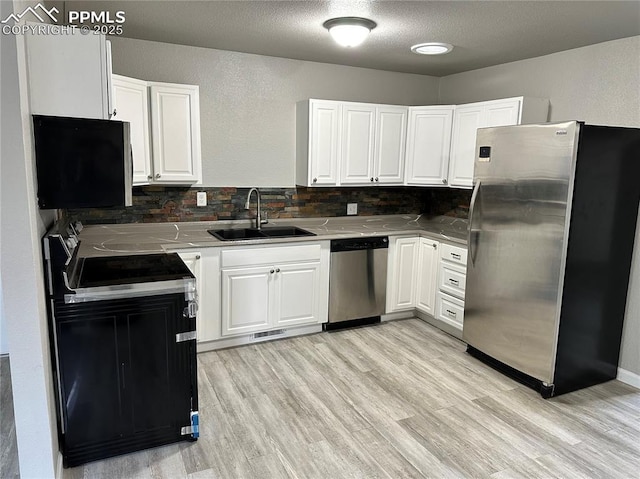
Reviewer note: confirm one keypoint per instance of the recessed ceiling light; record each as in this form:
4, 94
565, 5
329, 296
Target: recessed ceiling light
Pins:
433, 48
349, 31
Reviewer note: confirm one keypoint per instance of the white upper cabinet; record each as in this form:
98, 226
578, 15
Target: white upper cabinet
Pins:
164, 121
391, 139
466, 123
317, 142
468, 118
428, 143
131, 103
358, 129
175, 127
347, 143
69, 75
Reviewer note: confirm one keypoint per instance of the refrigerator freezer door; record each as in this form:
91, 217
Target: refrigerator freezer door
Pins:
517, 243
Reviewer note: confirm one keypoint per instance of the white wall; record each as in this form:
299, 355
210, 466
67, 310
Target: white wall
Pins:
21, 270
599, 84
247, 102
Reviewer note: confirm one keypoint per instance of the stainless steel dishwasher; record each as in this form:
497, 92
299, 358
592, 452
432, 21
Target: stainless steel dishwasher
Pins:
357, 281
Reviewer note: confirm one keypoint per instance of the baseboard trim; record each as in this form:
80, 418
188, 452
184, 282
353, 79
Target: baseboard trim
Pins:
627, 377
447, 328
59, 468
234, 341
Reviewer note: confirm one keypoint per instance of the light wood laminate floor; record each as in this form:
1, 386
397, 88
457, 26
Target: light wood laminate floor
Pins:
399, 399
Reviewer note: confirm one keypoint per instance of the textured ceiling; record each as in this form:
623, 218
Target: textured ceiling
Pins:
484, 33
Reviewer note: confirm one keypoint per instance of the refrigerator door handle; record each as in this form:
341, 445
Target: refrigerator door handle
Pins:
473, 234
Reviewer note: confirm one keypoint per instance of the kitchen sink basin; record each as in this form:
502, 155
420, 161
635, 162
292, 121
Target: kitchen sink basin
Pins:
252, 233
236, 234
285, 232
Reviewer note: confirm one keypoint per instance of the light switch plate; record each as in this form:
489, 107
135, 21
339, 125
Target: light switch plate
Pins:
201, 198
352, 208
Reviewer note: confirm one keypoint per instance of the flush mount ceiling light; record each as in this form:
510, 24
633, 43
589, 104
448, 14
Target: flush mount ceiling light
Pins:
433, 48
349, 31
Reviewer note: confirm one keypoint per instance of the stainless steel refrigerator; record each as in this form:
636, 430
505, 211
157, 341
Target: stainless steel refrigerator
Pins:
552, 225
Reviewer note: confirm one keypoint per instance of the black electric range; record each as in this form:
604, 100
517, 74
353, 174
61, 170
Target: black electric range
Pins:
123, 347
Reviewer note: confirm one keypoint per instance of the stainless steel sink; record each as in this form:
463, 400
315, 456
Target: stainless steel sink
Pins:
253, 233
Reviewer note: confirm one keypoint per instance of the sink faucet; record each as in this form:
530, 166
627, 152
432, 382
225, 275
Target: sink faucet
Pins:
259, 220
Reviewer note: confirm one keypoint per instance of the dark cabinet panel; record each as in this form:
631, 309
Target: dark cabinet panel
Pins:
90, 376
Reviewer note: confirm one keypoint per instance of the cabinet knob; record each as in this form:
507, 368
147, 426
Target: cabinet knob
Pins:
376, 178
149, 177
157, 175
272, 271
197, 256
277, 270
115, 112
372, 178
315, 180
434, 245
444, 181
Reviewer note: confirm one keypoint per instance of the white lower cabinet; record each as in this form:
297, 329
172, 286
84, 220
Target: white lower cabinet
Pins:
427, 275
247, 299
449, 310
401, 273
273, 287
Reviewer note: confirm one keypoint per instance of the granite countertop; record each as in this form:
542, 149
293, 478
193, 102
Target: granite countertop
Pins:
141, 238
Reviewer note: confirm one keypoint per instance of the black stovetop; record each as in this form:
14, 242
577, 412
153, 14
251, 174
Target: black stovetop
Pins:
118, 270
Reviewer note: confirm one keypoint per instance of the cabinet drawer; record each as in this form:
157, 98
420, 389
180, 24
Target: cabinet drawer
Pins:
269, 255
455, 254
452, 279
449, 309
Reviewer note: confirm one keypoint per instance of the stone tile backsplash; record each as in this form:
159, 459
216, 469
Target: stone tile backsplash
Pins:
154, 204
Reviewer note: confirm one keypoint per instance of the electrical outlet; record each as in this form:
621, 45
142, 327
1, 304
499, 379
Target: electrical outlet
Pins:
352, 208
201, 198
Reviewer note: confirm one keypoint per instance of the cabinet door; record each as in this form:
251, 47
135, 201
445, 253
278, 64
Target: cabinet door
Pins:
466, 121
358, 127
427, 276
158, 371
92, 399
502, 113
69, 75
247, 302
297, 294
391, 138
324, 142
403, 257
131, 101
175, 127
428, 142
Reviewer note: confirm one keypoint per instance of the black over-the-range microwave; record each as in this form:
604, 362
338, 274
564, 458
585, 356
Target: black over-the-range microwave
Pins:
82, 163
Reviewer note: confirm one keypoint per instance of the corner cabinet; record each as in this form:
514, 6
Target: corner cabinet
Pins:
347, 143
428, 144
273, 287
69, 75
165, 130
468, 118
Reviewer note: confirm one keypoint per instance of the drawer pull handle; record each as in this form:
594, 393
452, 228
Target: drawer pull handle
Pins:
451, 313
453, 281
455, 255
